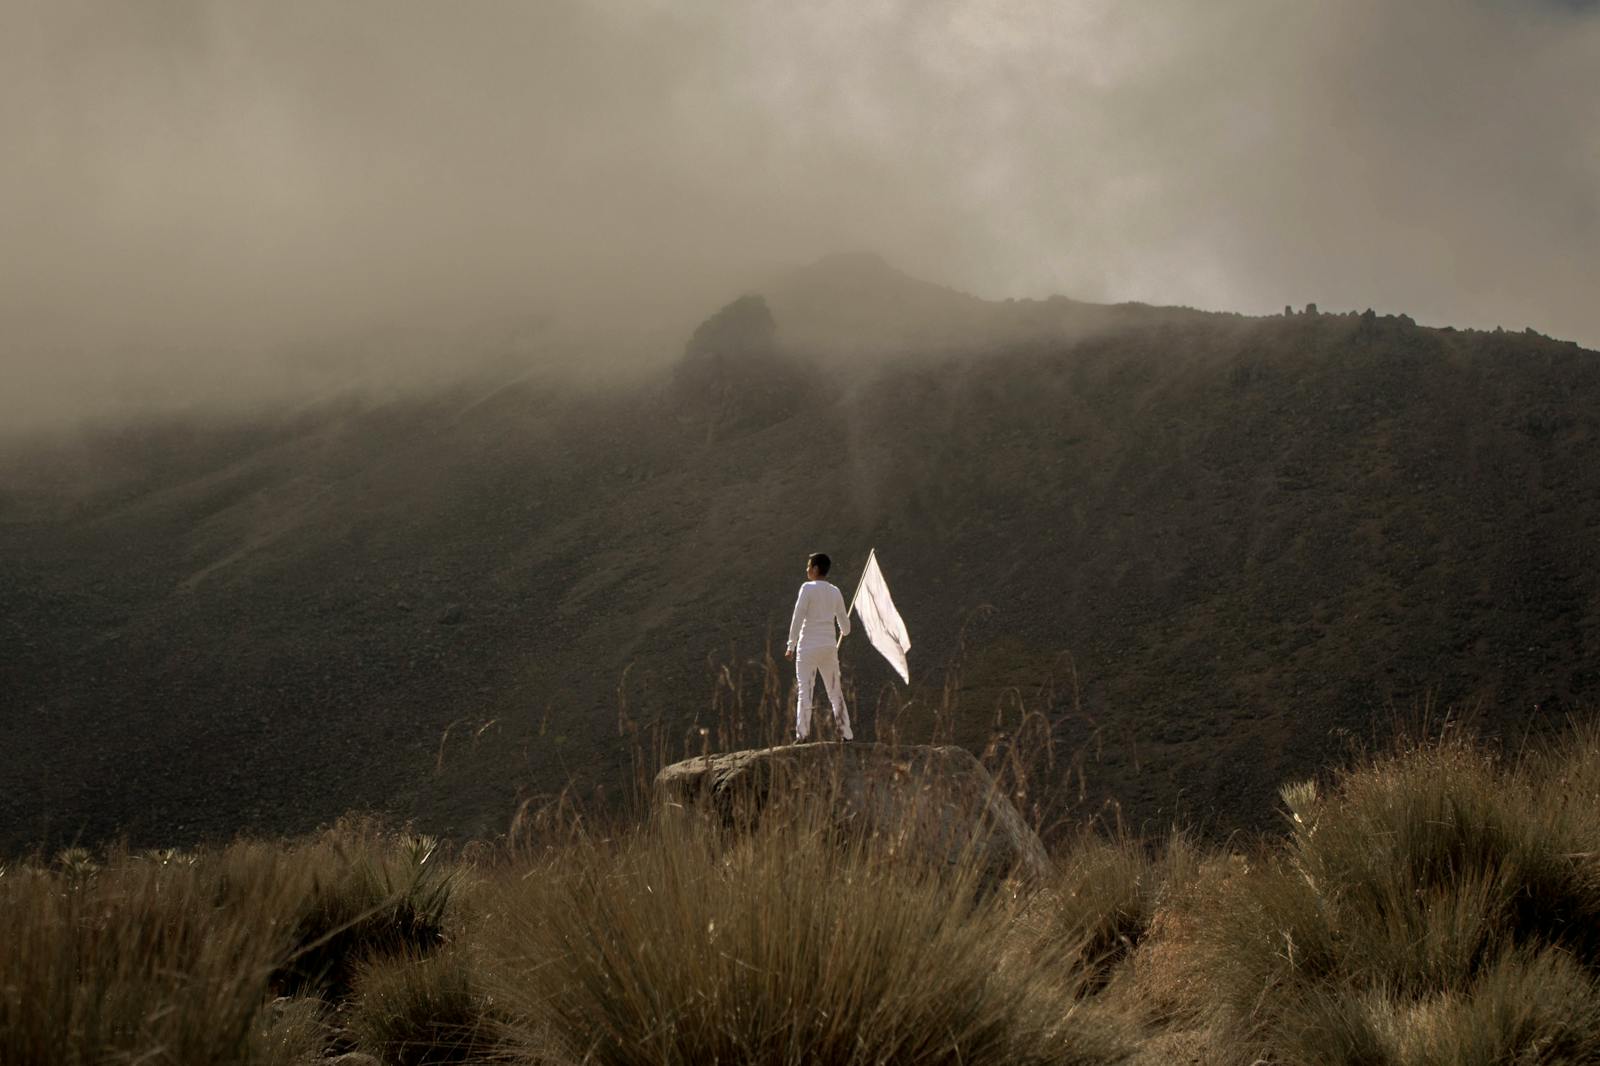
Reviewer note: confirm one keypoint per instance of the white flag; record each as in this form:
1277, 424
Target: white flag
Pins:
879, 618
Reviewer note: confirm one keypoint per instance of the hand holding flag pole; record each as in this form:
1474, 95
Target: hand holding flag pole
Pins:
852, 606
885, 628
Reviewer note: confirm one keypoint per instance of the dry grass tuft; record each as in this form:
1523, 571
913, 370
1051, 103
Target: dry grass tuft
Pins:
412, 1010
788, 945
1429, 885
366, 895
1105, 899
136, 960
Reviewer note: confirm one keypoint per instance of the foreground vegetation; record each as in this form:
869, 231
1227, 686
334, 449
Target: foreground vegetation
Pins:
1436, 904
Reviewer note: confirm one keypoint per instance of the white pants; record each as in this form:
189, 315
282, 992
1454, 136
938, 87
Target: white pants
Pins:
808, 663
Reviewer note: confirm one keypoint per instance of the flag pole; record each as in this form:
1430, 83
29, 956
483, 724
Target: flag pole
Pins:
871, 552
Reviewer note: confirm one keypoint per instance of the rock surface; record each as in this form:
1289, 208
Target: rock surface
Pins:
937, 801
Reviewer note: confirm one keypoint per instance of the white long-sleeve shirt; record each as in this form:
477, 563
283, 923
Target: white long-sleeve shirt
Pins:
819, 605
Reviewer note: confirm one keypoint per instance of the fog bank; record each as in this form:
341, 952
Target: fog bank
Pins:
208, 200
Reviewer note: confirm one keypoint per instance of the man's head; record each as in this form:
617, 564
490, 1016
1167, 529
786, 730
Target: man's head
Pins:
817, 566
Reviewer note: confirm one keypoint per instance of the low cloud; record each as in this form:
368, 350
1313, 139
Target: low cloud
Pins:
195, 192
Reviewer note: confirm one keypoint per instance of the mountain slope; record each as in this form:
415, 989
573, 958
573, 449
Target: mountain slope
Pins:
1231, 544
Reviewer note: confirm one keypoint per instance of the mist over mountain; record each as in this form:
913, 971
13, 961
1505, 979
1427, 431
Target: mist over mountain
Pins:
1212, 550
207, 205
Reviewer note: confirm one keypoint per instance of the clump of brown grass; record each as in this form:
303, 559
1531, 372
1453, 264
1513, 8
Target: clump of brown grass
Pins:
363, 894
291, 1029
786, 944
1105, 895
1539, 1008
170, 957
1164, 982
412, 1010
134, 960
1428, 885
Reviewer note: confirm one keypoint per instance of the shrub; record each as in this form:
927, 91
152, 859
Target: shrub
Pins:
1449, 823
165, 957
782, 946
1104, 896
1421, 882
1522, 1009
132, 960
289, 1030
411, 1010
367, 895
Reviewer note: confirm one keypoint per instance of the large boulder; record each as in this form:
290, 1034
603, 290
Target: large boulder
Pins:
938, 803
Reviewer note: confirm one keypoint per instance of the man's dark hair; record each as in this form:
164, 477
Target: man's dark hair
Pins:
821, 562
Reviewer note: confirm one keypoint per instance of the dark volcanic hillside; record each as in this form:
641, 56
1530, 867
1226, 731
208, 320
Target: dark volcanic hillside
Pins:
1252, 538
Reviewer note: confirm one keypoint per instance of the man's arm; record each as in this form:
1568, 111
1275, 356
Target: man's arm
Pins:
794, 622
841, 613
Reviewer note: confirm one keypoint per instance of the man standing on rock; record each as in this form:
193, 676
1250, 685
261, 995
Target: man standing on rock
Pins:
813, 647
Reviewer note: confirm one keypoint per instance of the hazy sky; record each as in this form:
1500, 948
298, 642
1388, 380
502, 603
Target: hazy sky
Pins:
195, 187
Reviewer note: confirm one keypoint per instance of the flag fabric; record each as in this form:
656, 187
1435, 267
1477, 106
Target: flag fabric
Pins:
878, 617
